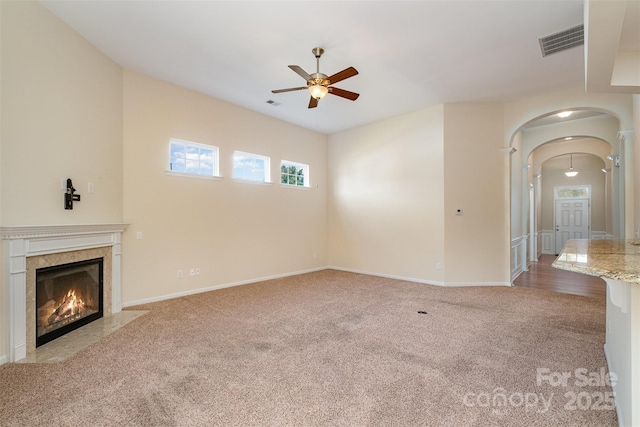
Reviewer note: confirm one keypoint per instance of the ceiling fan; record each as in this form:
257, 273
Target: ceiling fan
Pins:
319, 84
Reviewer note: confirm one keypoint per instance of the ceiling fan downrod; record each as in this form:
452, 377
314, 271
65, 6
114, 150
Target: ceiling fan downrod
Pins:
317, 52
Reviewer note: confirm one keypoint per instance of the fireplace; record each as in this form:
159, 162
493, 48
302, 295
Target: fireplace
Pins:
68, 296
31, 248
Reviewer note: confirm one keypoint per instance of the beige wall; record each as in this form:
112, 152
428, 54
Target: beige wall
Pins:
61, 118
4, 305
386, 193
231, 231
390, 180
476, 242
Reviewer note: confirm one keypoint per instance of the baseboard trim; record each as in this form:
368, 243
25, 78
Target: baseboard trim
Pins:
426, 282
388, 276
216, 287
465, 284
295, 273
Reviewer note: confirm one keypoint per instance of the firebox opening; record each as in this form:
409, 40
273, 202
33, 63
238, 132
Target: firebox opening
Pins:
68, 296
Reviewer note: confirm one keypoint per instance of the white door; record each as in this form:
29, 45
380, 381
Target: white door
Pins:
572, 221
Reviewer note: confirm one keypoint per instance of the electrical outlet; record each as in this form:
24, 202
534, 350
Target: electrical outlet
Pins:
180, 273
90, 188
197, 271
438, 266
192, 272
139, 235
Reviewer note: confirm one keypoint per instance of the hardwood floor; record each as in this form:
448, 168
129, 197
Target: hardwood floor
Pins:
542, 275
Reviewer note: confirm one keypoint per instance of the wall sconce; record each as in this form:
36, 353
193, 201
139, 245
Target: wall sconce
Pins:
69, 196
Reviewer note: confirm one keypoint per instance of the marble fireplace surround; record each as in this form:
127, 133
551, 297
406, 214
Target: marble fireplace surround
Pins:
28, 248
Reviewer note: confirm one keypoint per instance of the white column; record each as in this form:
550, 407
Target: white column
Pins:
116, 274
17, 300
628, 163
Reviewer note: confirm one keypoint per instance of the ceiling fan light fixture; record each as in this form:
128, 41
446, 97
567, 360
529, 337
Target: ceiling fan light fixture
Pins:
318, 91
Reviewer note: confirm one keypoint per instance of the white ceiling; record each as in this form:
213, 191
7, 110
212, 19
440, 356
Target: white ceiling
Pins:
410, 54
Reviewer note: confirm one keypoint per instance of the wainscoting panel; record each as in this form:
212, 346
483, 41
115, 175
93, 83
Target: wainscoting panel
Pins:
548, 244
518, 256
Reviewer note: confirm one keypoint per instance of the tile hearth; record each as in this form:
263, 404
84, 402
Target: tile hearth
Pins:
76, 341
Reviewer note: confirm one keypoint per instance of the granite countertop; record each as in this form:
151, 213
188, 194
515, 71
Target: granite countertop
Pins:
612, 259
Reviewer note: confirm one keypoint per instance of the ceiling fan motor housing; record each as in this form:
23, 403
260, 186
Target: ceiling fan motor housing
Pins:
319, 79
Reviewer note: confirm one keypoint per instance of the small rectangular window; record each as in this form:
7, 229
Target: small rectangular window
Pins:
293, 173
193, 158
251, 167
574, 192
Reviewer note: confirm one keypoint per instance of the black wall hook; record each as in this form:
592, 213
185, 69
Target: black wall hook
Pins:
69, 196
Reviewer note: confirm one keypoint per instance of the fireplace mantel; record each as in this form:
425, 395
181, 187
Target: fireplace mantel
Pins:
35, 231
19, 243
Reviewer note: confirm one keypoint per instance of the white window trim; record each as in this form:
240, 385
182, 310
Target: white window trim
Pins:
294, 187
267, 168
216, 161
193, 175
307, 180
251, 181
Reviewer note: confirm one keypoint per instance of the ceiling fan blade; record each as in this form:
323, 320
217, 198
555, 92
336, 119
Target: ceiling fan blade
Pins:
343, 93
313, 103
291, 89
344, 74
302, 73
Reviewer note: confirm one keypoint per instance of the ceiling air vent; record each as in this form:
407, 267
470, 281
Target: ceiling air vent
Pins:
562, 41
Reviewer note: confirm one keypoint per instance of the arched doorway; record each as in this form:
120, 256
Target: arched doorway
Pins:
575, 199
591, 134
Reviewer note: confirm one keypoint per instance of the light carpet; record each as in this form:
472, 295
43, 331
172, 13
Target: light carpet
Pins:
330, 348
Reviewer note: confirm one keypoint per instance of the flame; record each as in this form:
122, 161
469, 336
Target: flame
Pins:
71, 303
70, 306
